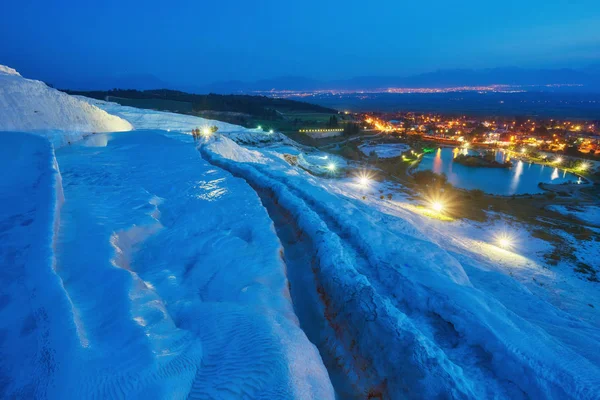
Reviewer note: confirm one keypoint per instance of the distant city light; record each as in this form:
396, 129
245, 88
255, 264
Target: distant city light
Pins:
271, 131
584, 166
259, 127
558, 160
523, 151
285, 93
206, 131
331, 167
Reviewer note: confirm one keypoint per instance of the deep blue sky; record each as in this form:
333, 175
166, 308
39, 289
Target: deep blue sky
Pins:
196, 42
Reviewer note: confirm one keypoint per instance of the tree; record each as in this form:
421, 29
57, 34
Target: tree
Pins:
373, 157
520, 120
351, 129
478, 131
427, 178
542, 131
572, 151
477, 193
333, 122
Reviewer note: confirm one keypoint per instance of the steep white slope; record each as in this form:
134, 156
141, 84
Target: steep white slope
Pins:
176, 279
31, 106
150, 119
408, 318
35, 324
8, 70
162, 278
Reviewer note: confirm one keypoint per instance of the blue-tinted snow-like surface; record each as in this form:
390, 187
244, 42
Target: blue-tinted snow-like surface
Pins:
168, 282
32, 301
173, 282
412, 320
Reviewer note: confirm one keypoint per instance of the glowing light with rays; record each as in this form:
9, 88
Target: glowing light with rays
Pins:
558, 160
331, 167
505, 241
437, 206
364, 179
206, 131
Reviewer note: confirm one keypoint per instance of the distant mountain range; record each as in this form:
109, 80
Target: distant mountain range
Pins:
125, 81
588, 77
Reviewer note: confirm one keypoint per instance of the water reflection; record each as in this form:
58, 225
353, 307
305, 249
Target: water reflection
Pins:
500, 157
437, 162
516, 177
506, 181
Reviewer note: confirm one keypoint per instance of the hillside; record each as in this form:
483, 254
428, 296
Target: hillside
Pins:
30, 105
256, 106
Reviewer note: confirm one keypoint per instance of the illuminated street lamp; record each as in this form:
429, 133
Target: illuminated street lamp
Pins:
437, 206
271, 131
364, 179
558, 160
206, 131
259, 127
505, 241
